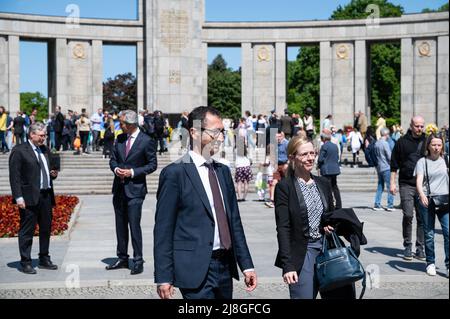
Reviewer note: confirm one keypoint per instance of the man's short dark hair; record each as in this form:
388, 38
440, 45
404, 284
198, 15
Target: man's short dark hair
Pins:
199, 113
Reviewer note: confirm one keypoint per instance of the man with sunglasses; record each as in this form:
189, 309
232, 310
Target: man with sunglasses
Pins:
30, 177
198, 234
407, 151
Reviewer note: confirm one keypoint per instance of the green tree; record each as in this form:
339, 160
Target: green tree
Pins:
304, 81
442, 8
30, 101
224, 88
384, 72
120, 93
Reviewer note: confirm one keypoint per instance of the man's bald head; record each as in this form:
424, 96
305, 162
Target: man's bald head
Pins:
417, 125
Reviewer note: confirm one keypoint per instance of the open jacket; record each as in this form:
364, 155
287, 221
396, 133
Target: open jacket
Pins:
292, 220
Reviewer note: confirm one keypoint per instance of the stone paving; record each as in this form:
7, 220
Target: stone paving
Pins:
84, 252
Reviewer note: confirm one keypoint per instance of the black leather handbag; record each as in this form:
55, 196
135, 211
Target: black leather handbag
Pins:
338, 266
436, 202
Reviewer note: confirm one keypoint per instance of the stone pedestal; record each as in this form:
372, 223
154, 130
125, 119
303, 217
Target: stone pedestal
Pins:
264, 79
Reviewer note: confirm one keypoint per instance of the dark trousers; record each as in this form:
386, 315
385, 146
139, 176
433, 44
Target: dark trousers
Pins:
65, 142
409, 201
41, 214
58, 140
218, 283
19, 138
84, 135
335, 190
128, 211
160, 140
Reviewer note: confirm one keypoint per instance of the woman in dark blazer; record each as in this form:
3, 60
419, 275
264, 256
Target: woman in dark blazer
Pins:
300, 200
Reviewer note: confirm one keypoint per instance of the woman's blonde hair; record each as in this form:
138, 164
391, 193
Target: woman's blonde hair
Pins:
292, 147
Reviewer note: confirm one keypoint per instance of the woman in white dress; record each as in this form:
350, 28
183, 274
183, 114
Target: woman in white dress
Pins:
355, 139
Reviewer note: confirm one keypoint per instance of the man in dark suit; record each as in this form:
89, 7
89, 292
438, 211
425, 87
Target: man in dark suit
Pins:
328, 163
133, 158
30, 178
58, 126
198, 234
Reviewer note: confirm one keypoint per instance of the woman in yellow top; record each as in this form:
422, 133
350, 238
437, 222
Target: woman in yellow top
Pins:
3, 119
381, 122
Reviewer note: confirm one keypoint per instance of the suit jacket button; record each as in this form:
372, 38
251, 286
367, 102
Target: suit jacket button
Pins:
210, 243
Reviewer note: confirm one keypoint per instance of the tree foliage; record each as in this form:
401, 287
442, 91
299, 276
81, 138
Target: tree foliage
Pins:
224, 88
304, 81
384, 71
442, 8
120, 93
34, 100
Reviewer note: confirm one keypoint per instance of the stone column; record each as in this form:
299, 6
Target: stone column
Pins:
280, 77
343, 83
326, 89
14, 74
140, 75
442, 81
264, 79
425, 58
204, 68
148, 54
97, 76
61, 74
80, 75
4, 72
361, 92
407, 82
247, 77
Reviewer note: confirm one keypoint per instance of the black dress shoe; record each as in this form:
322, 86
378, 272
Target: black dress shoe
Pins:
137, 269
118, 265
47, 264
28, 269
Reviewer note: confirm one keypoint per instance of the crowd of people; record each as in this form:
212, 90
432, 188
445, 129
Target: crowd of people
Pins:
198, 234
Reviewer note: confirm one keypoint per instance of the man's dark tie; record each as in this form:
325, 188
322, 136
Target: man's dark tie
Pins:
222, 221
43, 171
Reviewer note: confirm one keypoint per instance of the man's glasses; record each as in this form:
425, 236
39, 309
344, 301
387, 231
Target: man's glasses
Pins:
214, 133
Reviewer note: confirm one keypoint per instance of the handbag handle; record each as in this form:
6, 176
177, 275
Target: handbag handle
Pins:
336, 241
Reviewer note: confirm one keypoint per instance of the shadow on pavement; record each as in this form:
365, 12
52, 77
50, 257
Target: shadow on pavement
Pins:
399, 264
393, 252
16, 264
109, 261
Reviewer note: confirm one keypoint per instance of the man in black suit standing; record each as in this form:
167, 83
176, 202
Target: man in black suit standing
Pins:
58, 127
198, 235
133, 158
30, 178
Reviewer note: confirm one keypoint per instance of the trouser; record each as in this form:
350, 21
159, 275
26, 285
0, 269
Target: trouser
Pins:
95, 140
58, 140
42, 215
428, 215
65, 142
384, 178
335, 190
128, 211
218, 283
84, 135
18, 138
409, 200
3, 145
